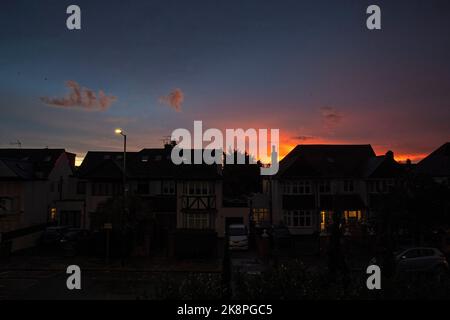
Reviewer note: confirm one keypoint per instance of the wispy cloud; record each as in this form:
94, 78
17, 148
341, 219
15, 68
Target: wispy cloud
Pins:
330, 117
174, 99
81, 97
303, 138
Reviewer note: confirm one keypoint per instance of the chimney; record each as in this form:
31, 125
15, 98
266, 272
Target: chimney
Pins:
390, 155
169, 145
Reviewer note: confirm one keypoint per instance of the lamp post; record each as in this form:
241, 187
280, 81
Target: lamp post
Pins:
124, 213
120, 131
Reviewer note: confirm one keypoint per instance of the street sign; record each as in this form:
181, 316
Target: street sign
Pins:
107, 226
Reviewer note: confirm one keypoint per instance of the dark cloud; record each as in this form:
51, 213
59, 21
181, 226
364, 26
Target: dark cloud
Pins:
174, 99
81, 97
330, 117
303, 138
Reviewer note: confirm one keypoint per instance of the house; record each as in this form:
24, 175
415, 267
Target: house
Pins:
179, 206
315, 181
32, 181
437, 165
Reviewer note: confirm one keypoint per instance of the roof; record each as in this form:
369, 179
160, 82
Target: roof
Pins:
30, 163
436, 164
326, 161
145, 164
383, 167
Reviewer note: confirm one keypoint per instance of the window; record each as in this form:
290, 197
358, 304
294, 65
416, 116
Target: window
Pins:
81, 187
142, 188
298, 218
197, 221
352, 216
297, 187
198, 188
6, 205
381, 186
325, 187
168, 187
106, 189
411, 254
349, 186
427, 252
260, 215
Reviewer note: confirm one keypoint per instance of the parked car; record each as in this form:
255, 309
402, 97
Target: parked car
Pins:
419, 259
238, 237
75, 241
52, 236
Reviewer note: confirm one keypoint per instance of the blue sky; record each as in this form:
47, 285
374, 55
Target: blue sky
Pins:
309, 68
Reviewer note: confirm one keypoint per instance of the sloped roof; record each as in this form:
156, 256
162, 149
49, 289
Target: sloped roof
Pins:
436, 164
383, 167
15, 169
31, 163
326, 161
145, 164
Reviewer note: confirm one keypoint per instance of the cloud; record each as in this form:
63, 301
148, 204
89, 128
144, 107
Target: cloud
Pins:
330, 117
174, 99
304, 138
81, 97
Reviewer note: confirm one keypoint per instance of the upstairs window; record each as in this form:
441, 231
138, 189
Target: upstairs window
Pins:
199, 188
168, 187
297, 187
324, 187
380, 186
349, 186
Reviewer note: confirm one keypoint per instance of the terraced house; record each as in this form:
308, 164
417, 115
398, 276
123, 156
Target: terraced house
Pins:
32, 182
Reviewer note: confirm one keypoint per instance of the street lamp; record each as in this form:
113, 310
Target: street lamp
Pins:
119, 131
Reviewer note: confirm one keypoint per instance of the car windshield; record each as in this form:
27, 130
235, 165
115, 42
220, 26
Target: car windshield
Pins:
237, 232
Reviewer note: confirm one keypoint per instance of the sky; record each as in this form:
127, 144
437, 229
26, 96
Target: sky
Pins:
309, 68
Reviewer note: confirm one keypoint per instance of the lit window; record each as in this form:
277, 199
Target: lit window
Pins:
352, 216
260, 215
53, 214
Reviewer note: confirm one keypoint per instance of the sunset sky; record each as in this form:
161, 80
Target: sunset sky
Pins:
309, 68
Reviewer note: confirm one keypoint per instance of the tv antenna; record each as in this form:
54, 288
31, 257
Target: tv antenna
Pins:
17, 143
